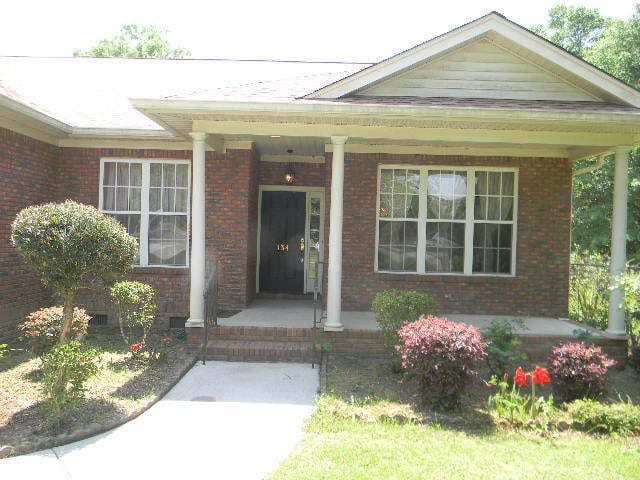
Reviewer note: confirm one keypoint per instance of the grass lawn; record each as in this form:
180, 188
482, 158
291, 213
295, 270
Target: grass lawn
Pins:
370, 425
119, 391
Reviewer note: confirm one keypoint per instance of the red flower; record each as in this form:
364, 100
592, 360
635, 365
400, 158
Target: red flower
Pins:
540, 376
520, 377
135, 346
167, 339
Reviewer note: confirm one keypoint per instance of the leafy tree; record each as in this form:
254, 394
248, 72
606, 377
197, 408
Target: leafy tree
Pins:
614, 46
572, 28
135, 41
70, 244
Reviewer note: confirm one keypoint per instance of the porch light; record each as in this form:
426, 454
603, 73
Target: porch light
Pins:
289, 173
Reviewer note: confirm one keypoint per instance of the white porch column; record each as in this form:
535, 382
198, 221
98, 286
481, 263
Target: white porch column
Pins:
618, 238
334, 275
197, 264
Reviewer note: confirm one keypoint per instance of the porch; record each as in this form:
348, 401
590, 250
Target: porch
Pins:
280, 328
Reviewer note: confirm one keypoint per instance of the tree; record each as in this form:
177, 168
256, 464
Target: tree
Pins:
135, 41
573, 28
614, 46
70, 244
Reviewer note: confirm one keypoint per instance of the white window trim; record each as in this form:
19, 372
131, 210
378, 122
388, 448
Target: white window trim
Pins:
144, 205
469, 220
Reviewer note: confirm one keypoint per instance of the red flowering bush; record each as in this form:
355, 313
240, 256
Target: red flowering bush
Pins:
578, 370
442, 355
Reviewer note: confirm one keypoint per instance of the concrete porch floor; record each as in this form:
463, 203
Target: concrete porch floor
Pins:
297, 312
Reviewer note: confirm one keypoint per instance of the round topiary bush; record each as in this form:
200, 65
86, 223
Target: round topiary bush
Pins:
578, 370
441, 355
42, 328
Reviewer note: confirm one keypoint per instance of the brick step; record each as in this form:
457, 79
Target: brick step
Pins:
262, 351
264, 333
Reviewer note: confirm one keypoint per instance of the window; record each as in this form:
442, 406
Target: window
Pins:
446, 220
151, 199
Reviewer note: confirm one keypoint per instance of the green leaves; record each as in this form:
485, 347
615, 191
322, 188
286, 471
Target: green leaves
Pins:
135, 41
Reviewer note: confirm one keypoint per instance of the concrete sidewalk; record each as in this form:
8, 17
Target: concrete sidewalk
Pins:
221, 421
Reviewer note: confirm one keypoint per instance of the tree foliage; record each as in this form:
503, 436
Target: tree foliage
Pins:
135, 41
612, 45
69, 245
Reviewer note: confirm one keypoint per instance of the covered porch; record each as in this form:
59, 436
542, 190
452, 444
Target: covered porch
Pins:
272, 327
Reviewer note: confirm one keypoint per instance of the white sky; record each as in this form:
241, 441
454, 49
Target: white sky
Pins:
345, 30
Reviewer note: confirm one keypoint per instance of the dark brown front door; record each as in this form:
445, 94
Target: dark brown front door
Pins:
282, 242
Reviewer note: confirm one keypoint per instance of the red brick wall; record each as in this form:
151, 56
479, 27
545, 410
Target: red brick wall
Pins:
26, 169
540, 286
307, 174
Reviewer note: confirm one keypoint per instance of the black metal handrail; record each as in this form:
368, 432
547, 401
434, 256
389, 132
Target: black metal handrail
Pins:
318, 314
210, 306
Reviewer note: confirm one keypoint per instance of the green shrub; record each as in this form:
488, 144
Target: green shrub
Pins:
502, 346
69, 245
42, 328
3, 347
441, 355
596, 417
589, 289
395, 307
65, 370
578, 370
135, 310
630, 281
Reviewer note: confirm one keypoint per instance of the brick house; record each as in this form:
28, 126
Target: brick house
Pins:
446, 168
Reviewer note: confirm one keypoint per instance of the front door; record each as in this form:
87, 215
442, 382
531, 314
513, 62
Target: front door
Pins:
282, 242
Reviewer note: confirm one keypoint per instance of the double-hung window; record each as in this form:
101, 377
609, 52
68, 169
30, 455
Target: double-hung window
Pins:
436, 220
151, 199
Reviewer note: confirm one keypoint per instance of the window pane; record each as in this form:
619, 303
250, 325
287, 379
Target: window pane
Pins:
410, 233
413, 181
135, 195
386, 181
168, 175
413, 204
122, 199
182, 200
155, 196
400, 181
314, 222
384, 258
182, 176
385, 206
385, 233
181, 227
156, 174
506, 212
398, 206
135, 175
397, 233
168, 200
123, 174
505, 236
109, 177
507, 183
108, 198
445, 247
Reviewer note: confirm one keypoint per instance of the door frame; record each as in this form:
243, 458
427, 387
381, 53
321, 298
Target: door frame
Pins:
307, 191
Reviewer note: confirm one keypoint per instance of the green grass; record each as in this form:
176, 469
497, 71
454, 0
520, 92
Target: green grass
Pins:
337, 448
369, 426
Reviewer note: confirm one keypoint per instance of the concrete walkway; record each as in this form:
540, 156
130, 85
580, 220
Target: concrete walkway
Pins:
221, 421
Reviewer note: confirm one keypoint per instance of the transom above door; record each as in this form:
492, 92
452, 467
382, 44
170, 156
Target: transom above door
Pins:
290, 238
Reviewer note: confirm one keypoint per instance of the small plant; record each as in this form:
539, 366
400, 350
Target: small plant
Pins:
502, 346
578, 370
589, 289
442, 355
518, 409
3, 347
154, 348
65, 370
42, 328
395, 307
592, 416
135, 310
584, 335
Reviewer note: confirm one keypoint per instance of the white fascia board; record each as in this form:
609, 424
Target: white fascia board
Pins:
120, 133
155, 108
492, 22
34, 118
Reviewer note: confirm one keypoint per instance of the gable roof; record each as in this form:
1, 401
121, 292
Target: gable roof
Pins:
580, 80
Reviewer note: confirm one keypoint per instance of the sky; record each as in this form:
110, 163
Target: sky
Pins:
323, 30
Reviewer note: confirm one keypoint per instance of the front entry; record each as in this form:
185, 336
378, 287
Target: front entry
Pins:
282, 242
